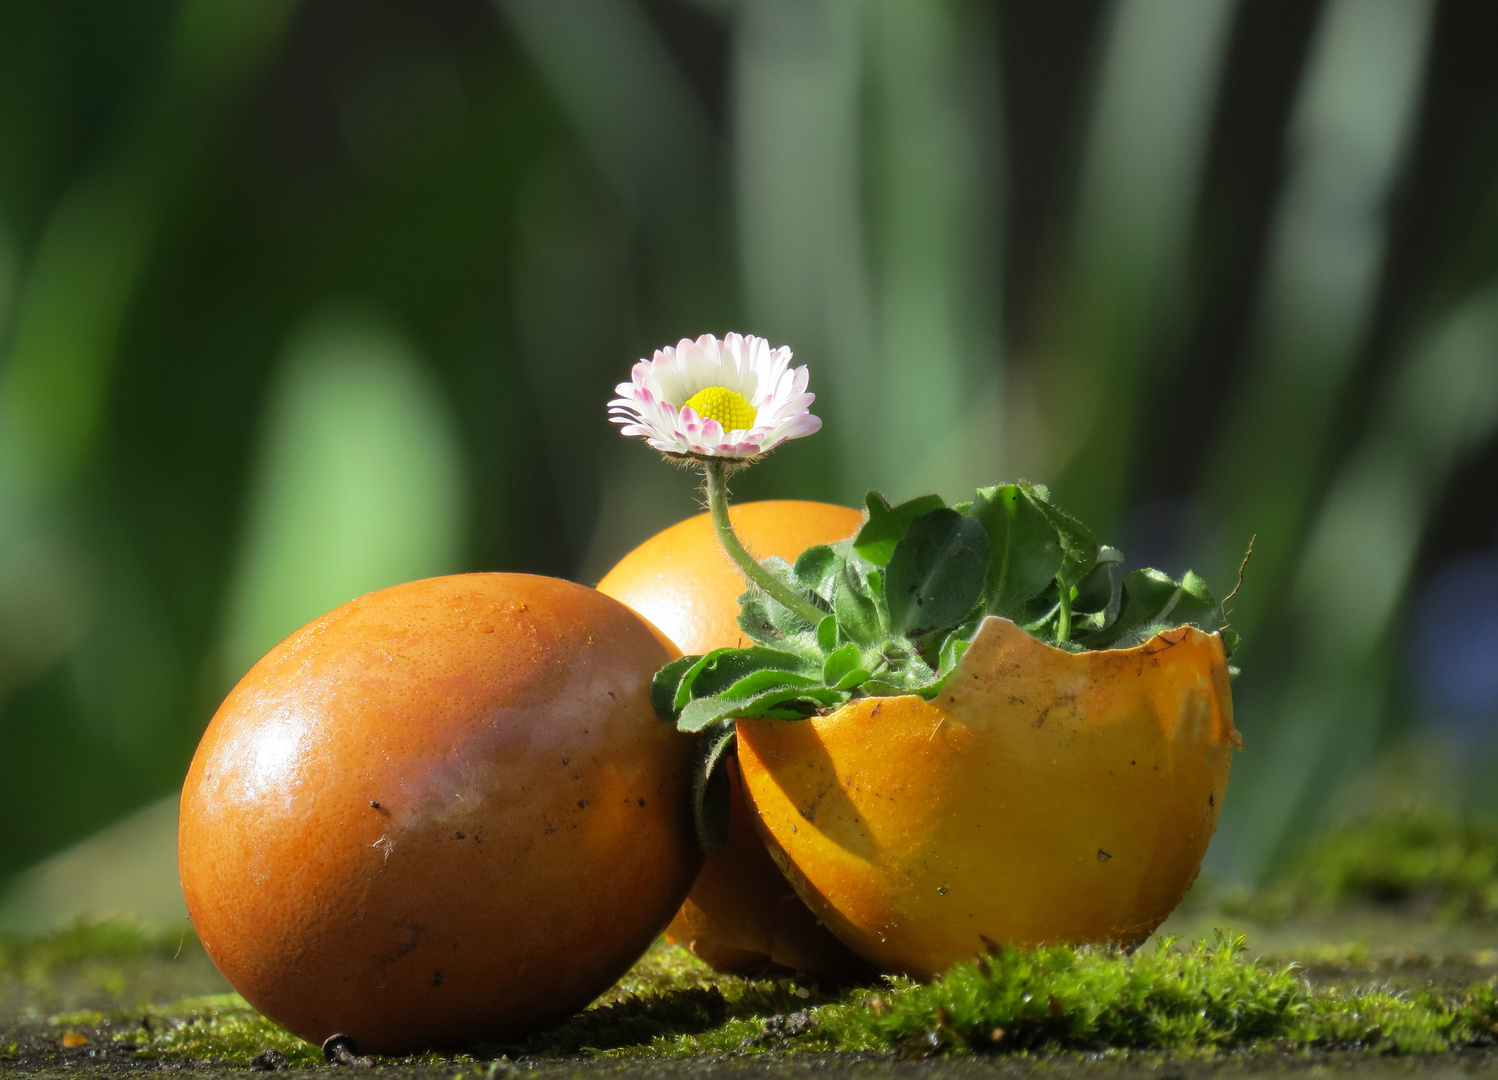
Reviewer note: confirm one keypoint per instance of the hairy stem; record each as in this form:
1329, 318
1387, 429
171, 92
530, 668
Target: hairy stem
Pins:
1063, 621
715, 480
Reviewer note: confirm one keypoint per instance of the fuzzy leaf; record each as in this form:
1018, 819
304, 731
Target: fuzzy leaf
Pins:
887, 525
757, 682
754, 619
767, 622
1146, 594
906, 598
1101, 589
852, 679
827, 634
955, 645
857, 613
664, 686
1196, 604
1027, 552
788, 622
768, 701
936, 572
1099, 597
716, 671
816, 568
843, 669
1079, 548
710, 789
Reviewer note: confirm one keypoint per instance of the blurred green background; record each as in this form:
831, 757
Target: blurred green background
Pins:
302, 300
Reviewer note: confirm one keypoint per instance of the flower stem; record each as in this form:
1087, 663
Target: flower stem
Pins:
715, 480
1063, 621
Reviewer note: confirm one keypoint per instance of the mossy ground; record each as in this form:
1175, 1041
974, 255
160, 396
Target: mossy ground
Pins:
109, 998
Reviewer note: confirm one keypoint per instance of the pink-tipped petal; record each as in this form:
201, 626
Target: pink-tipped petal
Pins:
652, 405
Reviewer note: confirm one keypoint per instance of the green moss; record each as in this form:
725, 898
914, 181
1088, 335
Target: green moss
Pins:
672, 1004
1184, 1001
1180, 1002
222, 1028
1403, 856
87, 942
101, 966
1426, 857
1206, 997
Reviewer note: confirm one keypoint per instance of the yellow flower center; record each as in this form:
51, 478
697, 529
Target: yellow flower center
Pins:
723, 405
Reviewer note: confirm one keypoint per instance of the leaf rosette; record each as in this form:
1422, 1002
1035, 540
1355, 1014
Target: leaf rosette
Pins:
897, 607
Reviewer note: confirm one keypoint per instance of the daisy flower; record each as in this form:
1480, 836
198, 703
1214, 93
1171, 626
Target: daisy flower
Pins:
731, 399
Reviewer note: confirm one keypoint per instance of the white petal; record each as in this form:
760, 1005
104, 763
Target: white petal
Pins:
652, 404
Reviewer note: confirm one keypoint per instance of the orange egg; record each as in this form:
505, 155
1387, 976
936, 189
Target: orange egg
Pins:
1042, 797
742, 916
443, 813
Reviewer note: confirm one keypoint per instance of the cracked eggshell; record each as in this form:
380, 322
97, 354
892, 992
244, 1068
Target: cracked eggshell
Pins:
1043, 797
742, 915
443, 813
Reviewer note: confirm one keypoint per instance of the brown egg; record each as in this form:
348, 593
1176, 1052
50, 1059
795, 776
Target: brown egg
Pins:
742, 915
443, 813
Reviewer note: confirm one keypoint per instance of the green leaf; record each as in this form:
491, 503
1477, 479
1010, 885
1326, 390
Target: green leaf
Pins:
816, 568
1153, 601
756, 682
711, 792
936, 572
1041, 611
953, 648
1099, 597
1195, 604
771, 625
708, 710
1027, 551
704, 712
857, 612
1079, 548
843, 669
754, 619
923, 680
887, 525
904, 628
852, 679
770, 622
788, 622
827, 634
1146, 594
716, 671
902, 672
664, 685
689, 677
1101, 590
